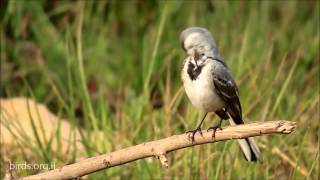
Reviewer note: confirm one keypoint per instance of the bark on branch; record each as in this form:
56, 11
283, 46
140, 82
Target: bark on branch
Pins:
160, 148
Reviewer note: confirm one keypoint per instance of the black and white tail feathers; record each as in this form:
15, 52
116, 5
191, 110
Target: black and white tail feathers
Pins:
249, 147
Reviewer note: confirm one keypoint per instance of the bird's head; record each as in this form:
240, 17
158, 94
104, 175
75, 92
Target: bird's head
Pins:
198, 42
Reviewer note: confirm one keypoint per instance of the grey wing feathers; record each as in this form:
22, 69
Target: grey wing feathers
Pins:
227, 89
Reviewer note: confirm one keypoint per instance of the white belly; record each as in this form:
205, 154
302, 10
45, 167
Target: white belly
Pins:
201, 91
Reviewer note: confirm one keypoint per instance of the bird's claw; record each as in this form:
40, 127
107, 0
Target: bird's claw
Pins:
193, 133
214, 129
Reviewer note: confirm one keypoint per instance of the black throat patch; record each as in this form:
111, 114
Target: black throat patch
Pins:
194, 72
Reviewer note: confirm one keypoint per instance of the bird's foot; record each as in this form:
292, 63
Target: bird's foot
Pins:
193, 133
214, 129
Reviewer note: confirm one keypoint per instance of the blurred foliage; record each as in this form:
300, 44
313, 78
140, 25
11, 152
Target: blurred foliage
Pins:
114, 66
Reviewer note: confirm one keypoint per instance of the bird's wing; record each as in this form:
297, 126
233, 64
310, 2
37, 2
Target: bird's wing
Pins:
227, 89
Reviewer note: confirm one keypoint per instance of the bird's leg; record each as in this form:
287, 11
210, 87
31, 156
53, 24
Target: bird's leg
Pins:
222, 113
198, 129
214, 128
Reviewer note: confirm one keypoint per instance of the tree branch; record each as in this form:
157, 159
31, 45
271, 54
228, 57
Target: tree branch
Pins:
160, 148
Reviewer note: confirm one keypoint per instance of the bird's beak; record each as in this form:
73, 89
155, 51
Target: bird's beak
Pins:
195, 55
190, 52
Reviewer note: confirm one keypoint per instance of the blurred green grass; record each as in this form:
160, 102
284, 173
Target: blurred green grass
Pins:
115, 66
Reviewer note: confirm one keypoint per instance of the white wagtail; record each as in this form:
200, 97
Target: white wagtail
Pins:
210, 86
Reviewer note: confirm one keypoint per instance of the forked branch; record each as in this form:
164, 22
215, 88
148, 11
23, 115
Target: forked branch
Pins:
160, 148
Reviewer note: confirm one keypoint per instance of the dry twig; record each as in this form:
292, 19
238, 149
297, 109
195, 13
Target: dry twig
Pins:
275, 150
160, 148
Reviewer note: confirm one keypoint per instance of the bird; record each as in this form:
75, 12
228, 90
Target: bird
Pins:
210, 86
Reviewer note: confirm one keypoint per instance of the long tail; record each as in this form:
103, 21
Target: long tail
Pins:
249, 147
